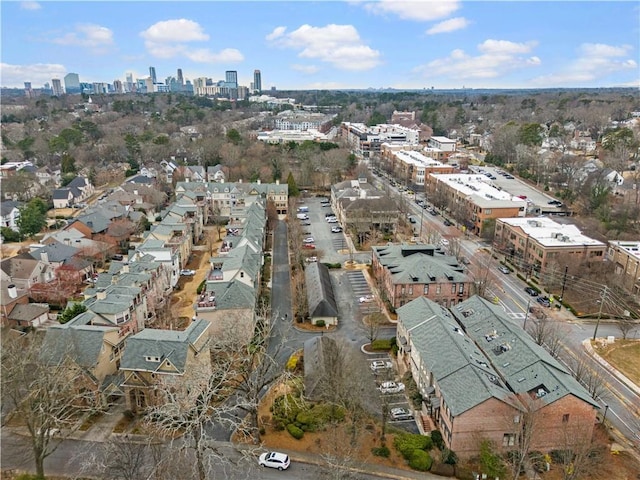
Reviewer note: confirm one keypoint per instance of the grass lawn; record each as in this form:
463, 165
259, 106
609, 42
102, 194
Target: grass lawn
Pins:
625, 356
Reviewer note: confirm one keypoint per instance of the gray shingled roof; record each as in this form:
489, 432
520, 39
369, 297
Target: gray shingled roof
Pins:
320, 296
6, 206
82, 343
150, 344
232, 295
56, 252
27, 312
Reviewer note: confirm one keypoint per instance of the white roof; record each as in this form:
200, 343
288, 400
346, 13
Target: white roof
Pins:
550, 233
630, 247
480, 188
417, 158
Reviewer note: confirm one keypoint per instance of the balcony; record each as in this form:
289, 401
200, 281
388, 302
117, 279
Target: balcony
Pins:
206, 300
215, 275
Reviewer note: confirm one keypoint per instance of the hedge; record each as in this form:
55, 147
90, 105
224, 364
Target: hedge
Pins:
295, 432
381, 452
408, 442
420, 460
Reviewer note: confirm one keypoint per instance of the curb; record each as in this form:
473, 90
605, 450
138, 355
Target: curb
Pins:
607, 366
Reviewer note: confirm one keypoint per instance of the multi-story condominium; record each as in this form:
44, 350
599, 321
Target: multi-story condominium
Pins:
56, 85
366, 142
481, 376
626, 257
409, 165
541, 244
443, 144
290, 120
472, 201
406, 272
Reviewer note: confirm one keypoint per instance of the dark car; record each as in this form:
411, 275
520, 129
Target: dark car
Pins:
433, 212
447, 223
531, 291
544, 301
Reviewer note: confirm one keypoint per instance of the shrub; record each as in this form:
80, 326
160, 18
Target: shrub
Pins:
9, 235
295, 432
201, 287
420, 460
128, 414
449, 457
443, 469
406, 443
292, 363
320, 323
381, 451
436, 438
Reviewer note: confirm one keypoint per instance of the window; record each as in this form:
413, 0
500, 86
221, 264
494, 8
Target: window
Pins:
426, 289
487, 211
438, 289
461, 288
508, 439
453, 288
565, 418
410, 289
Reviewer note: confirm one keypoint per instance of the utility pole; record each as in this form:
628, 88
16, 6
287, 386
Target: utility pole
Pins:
602, 297
564, 282
526, 315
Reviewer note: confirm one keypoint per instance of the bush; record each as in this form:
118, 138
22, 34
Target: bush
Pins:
381, 451
449, 457
333, 265
443, 469
9, 235
292, 363
128, 414
420, 460
406, 443
295, 432
320, 323
436, 438
201, 287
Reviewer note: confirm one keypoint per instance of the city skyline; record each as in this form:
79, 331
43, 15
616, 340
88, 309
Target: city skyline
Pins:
333, 45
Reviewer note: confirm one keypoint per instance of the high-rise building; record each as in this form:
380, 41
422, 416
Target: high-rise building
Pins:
231, 78
257, 81
72, 83
180, 78
152, 74
56, 86
118, 87
28, 91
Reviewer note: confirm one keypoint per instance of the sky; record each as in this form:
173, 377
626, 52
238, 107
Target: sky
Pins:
303, 45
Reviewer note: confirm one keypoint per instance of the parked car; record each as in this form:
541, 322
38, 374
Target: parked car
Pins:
544, 301
332, 220
336, 229
433, 212
531, 291
308, 240
366, 299
399, 413
306, 224
504, 269
187, 273
391, 387
274, 460
310, 246
447, 223
381, 366
311, 259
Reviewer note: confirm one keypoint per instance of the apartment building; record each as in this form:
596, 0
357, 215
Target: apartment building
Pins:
482, 377
626, 257
410, 165
472, 200
542, 244
366, 142
442, 147
406, 272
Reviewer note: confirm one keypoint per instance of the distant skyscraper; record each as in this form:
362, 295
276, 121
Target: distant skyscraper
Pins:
152, 74
56, 86
129, 77
231, 78
257, 81
28, 91
180, 78
72, 83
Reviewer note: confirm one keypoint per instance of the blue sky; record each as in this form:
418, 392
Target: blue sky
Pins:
327, 44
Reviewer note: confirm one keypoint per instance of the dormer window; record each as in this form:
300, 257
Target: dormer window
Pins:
241, 274
152, 359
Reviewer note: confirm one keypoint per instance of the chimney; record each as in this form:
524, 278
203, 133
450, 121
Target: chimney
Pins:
13, 291
125, 268
277, 181
135, 192
101, 294
258, 181
44, 256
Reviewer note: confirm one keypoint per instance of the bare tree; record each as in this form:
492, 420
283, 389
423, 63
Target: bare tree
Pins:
580, 455
524, 427
627, 327
43, 397
371, 325
593, 381
118, 459
483, 277
545, 332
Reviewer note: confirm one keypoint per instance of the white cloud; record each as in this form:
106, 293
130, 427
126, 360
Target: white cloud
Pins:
309, 69
338, 45
450, 25
30, 6
496, 58
171, 31
277, 33
421, 10
37, 74
594, 61
171, 38
88, 36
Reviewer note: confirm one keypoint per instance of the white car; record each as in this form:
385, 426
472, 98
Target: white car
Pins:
336, 229
398, 414
274, 460
311, 259
381, 366
366, 299
308, 240
391, 387
187, 273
